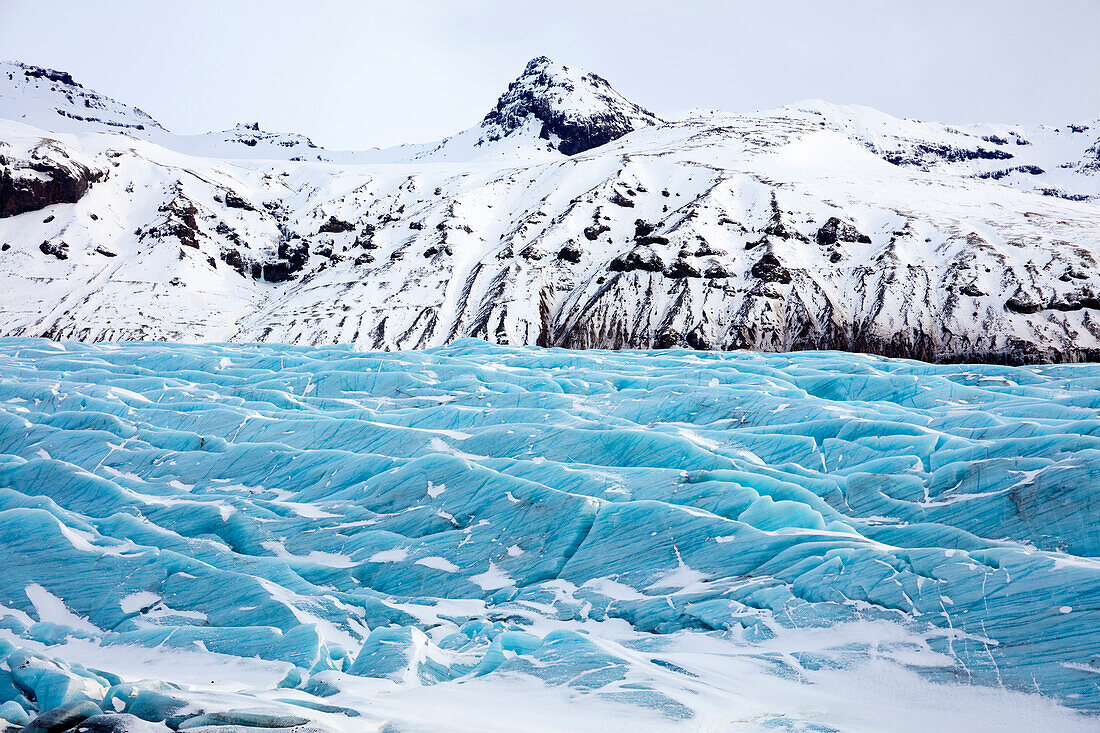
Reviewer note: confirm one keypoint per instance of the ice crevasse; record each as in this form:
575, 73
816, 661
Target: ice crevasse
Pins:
641, 532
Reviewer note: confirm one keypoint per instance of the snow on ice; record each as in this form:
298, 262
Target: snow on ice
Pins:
482, 537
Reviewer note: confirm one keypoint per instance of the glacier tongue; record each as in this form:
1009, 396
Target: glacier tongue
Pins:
512, 538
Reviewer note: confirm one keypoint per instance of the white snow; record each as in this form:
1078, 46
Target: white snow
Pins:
492, 579
438, 563
52, 609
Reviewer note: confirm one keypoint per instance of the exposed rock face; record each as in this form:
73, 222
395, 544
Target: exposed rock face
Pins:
836, 230
716, 232
574, 109
47, 176
641, 257
769, 270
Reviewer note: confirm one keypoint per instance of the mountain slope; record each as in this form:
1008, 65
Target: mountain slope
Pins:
569, 216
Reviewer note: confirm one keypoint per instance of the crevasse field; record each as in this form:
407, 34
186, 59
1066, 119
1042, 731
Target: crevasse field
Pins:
488, 538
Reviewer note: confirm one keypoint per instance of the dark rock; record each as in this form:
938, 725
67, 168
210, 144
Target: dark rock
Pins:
971, 290
639, 258
834, 230
227, 231
234, 259
715, 272
365, 239
60, 250
1076, 301
1059, 193
234, 201
643, 234
697, 340
619, 200
442, 249
682, 268
769, 270
537, 93
293, 256
570, 253
777, 226
181, 222
1022, 304
667, 339
593, 232
335, 226
1032, 170
925, 153
39, 72
54, 183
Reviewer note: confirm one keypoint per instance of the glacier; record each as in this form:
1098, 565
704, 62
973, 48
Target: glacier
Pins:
485, 537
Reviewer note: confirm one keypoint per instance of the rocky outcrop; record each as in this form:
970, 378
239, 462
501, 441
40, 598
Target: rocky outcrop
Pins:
574, 109
834, 230
48, 177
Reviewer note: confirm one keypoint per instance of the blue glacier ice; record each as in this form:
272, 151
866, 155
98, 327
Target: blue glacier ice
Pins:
631, 528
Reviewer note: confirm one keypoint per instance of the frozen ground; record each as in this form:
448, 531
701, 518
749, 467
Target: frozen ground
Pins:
491, 538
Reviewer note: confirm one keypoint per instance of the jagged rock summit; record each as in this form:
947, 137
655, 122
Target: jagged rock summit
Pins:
574, 109
568, 217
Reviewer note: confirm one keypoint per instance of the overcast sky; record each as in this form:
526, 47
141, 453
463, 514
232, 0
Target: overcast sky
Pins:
356, 74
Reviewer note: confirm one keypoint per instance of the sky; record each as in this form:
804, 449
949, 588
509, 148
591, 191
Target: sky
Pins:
364, 73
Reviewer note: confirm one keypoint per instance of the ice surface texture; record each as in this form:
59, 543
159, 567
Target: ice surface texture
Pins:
617, 526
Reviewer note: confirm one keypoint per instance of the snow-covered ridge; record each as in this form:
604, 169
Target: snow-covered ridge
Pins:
53, 100
569, 216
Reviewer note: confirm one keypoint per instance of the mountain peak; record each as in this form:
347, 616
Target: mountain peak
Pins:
53, 100
575, 109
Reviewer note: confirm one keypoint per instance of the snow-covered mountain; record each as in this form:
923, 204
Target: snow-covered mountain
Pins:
568, 216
